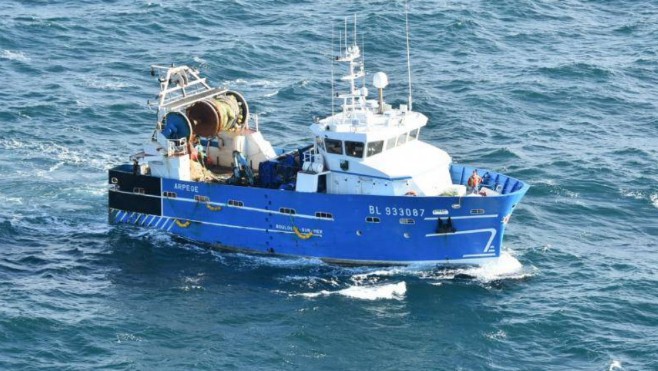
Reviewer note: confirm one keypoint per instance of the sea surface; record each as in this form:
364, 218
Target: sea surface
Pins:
561, 94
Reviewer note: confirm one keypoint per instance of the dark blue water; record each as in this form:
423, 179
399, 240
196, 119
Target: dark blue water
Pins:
561, 94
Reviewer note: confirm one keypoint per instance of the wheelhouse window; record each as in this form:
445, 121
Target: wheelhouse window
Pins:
375, 148
414, 134
334, 146
402, 139
391, 143
354, 149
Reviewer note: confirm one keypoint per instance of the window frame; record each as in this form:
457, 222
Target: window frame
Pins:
330, 149
370, 153
355, 148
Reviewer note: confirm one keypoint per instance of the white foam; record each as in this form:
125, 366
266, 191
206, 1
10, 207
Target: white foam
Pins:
394, 291
104, 84
615, 365
654, 199
638, 195
123, 337
200, 60
60, 153
8, 200
11, 144
498, 335
14, 56
310, 280
505, 267
280, 261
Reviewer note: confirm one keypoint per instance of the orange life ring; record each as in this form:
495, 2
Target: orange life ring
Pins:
411, 193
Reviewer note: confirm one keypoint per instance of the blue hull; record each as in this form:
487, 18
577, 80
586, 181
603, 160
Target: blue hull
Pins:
356, 229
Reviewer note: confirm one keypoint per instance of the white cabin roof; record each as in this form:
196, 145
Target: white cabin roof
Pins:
368, 126
412, 158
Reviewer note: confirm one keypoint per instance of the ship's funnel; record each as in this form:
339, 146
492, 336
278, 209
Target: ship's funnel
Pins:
221, 113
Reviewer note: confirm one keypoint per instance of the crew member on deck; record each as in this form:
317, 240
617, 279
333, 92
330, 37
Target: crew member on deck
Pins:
202, 152
198, 152
474, 182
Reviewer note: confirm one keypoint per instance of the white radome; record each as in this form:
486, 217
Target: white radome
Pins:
380, 80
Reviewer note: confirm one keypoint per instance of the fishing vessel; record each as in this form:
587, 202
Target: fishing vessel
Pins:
365, 190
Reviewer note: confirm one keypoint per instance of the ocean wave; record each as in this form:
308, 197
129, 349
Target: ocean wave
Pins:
507, 267
14, 56
278, 261
10, 200
393, 291
640, 195
60, 153
110, 84
615, 365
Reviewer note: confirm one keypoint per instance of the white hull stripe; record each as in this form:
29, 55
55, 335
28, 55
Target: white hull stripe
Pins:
464, 217
164, 225
489, 230
478, 255
152, 220
305, 216
235, 227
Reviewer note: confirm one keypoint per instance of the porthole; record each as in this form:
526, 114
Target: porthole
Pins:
235, 203
286, 210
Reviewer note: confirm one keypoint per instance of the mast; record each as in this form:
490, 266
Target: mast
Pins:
406, 22
355, 99
333, 82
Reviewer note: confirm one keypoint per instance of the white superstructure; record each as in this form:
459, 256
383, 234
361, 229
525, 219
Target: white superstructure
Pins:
372, 148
